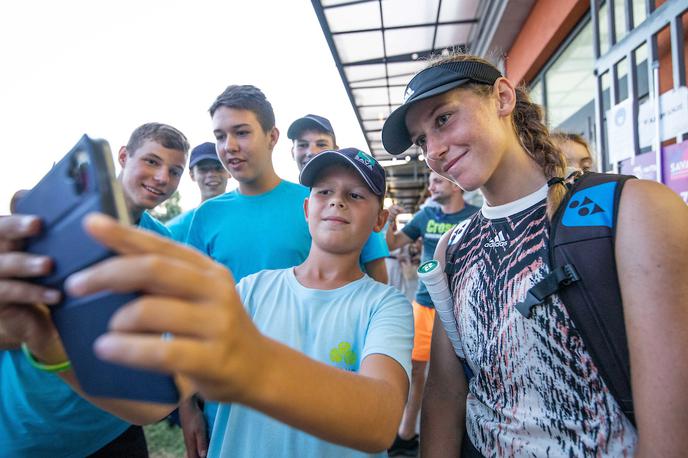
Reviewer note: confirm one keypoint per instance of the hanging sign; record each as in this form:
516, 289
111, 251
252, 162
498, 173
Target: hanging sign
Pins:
621, 131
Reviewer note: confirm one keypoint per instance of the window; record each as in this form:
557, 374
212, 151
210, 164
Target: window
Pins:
570, 84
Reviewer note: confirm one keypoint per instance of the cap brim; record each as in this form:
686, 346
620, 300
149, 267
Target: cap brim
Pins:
203, 158
326, 159
302, 124
395, 136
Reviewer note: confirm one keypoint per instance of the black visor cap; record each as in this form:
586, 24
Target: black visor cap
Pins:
428, 83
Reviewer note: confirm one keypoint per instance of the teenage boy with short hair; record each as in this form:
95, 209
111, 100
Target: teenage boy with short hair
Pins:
315, 358
311, 135
206, 170
259, 225
41, 416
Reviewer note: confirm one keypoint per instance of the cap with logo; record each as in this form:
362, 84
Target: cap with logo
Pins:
310, 121
367, 167
201, 152
428, 83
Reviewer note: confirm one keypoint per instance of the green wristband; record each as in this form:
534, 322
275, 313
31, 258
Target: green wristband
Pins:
54, 368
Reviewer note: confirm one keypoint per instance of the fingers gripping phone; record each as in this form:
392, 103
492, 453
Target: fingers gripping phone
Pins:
83, 182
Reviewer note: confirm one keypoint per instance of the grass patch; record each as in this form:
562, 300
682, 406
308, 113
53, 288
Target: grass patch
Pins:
164, 441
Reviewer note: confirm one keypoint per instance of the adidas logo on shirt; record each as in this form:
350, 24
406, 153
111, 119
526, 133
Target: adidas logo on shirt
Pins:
497, 241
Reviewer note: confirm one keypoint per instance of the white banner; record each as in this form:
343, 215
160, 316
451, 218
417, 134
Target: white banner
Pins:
673, 107
621, 131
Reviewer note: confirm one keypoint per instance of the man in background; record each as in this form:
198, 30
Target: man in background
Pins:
448, 210
206, 170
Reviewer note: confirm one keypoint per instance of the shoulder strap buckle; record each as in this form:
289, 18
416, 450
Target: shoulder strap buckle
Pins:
528, 303
561, 276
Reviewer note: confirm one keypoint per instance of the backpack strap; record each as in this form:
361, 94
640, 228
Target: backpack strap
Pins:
583, 233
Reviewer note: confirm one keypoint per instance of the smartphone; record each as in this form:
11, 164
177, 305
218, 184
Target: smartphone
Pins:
80, 183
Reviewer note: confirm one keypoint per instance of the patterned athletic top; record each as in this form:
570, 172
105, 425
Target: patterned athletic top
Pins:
536, 391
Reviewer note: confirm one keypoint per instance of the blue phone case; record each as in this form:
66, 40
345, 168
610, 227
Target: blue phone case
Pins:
83, 182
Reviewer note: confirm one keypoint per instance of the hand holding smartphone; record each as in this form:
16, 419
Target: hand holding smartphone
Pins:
80, 183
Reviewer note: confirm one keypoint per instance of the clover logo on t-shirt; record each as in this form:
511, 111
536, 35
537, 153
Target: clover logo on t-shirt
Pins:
343, 353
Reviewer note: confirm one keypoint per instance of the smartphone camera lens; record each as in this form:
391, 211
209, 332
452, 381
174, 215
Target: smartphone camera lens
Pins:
79, 171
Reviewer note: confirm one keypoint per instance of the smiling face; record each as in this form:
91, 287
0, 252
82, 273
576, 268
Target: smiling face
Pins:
342, 211
463, 134
309, 143
150, 175
244, 148
211, 178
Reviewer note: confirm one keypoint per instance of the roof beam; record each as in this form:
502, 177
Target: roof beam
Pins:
409, 57
377, 86
351, 3
364, 80
407, 26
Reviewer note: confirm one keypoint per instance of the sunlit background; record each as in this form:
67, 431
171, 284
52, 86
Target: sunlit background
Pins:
103, 68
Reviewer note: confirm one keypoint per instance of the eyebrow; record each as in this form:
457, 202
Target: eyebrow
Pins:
431, 115
233, 127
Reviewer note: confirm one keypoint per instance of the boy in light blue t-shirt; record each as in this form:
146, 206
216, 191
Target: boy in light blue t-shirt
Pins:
309, 361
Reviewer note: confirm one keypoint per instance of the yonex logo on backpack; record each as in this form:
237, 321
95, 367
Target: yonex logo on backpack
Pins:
591, 207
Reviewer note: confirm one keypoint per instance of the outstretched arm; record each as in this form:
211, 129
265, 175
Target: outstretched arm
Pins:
204, 313
652, 264
443, 415
395, 239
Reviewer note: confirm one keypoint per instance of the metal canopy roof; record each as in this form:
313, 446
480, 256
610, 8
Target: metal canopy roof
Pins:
378, 45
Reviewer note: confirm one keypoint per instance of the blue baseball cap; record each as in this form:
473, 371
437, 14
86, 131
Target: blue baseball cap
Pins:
428, 83
309, 121
201, 152
367, 167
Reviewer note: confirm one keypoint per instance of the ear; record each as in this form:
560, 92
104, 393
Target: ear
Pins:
381, 220
191, 174
505, 92
274, 136
305, 207
293, 156
122, 156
